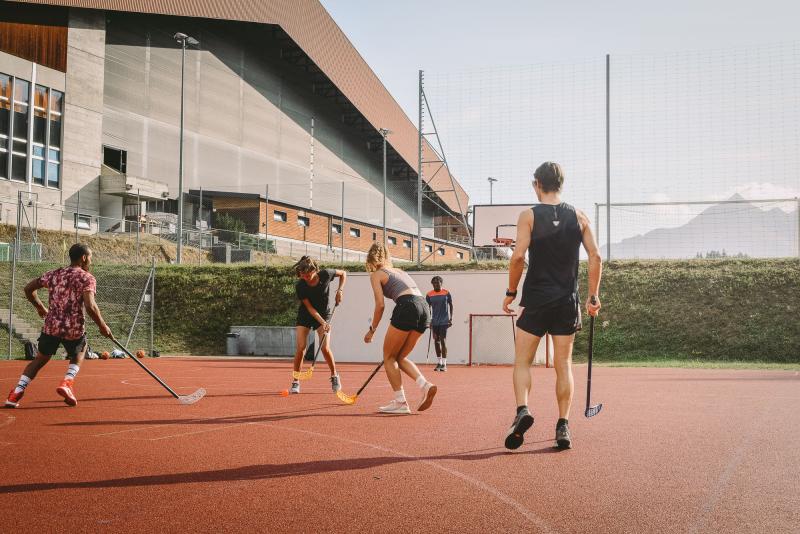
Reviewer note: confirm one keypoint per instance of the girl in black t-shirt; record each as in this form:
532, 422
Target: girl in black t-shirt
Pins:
314, 312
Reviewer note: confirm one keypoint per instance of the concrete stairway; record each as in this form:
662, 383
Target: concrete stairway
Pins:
21, 329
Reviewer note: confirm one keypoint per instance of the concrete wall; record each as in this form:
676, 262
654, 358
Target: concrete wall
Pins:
248, 119
473, 292
266, 340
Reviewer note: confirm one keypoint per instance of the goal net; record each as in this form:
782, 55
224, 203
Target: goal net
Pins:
491, 341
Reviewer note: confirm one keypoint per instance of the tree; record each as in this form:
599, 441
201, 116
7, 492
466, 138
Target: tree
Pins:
225, 221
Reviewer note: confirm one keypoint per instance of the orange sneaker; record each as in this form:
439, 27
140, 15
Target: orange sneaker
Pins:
14, 398
66, 391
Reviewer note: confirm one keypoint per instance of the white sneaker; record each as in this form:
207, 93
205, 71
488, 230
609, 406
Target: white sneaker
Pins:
295, 388
395, 407
428, 393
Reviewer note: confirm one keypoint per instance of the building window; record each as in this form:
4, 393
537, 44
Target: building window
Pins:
303, 221
336, 228
355, 232
460, 255
83, 222
374, 236
428, 248
406, 243
5, 123
39, 134
54, 148
279, 216
19, 130
392, 240
441, 252
115, 158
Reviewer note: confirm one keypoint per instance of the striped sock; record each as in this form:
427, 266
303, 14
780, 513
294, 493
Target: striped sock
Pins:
72, 370
23, 383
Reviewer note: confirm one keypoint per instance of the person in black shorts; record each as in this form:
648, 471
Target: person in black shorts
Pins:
552, 233
410, 318
314, 312
441, 303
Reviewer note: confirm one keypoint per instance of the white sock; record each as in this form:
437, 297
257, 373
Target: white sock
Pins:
421, 381
23, 383
444, 362
400, 395
72, 370
440, 360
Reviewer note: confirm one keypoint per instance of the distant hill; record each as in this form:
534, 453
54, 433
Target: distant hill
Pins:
736, 229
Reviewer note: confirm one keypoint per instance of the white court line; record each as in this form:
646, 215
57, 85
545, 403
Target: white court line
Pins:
9, 419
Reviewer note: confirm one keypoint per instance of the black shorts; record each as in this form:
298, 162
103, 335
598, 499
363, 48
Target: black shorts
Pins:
562, 318
48, 345
439, 331
304, 319
411, 312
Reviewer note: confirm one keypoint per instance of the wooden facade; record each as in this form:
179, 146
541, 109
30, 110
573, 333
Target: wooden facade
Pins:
35, 33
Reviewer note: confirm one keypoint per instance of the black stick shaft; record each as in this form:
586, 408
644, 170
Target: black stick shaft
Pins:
370, 378
143, 366
322, 342
589, 374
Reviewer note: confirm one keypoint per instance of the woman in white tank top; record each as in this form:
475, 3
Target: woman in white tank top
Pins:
410, 319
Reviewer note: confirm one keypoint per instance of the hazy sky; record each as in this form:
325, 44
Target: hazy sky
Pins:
705, 95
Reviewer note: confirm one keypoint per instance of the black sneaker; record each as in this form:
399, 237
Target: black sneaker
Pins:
522, 422
563, 437
438, 367
443, 368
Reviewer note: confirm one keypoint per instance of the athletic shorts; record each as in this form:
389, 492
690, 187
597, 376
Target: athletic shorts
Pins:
411, 312
48, 345
304, 319
439, 331
563, 318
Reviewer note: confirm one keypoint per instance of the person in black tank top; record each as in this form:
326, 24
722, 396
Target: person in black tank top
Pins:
552, 233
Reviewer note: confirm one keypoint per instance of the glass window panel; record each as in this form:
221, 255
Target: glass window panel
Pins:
52, 174
39, 129
40, 97
54, 155
3, 164
37, 168
5, 86
21, 89
5, 118
21, 122
56, 101
20, 146
38, 151
55, 131
18, 168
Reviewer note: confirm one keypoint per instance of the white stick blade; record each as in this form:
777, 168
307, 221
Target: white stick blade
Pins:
194, 397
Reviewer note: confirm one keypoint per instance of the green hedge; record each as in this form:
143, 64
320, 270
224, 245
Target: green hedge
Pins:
699, 309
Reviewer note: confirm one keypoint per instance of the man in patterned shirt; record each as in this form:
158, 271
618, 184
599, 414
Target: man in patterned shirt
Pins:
441, 304
71, 289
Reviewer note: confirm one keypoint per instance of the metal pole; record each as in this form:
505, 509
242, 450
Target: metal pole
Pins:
597, 223
419, 176
311, 169
266, 225
77, 216
152, 302
200, 224
180, 161
138, 222
798, 227
11, 292
384, 132
608, 157
342, 223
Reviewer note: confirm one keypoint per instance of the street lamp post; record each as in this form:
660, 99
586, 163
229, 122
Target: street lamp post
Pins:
182, 40
491, 183
384, 132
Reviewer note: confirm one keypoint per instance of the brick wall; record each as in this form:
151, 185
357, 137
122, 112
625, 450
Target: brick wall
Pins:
319, 231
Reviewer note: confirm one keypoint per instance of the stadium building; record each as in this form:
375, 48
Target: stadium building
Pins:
283, 124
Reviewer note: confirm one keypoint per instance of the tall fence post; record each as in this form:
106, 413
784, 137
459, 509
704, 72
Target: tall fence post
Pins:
266, 225
798, 227
11, 292
341, 233
597, 223
608, 157
152, 302
77, 217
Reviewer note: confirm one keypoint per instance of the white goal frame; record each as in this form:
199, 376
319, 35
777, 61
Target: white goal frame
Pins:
544, 354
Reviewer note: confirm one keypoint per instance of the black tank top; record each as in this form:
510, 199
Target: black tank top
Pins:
552, 256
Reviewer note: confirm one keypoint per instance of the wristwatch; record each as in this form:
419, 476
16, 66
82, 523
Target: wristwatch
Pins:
510, 293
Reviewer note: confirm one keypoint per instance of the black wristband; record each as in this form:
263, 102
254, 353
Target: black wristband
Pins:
511, 293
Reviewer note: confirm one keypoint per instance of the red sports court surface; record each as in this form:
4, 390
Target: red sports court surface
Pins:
672, 451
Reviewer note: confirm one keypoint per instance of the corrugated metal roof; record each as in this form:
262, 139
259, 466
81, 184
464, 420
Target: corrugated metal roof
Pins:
312, 28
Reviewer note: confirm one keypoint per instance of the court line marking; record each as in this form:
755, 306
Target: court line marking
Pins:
9, 420
540, 523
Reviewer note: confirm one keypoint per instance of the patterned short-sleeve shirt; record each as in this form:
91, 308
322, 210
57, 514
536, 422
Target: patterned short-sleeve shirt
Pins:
65, 313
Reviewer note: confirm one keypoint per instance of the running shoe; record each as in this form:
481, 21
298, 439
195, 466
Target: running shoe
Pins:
563, 437
428, 393
336, 384
66, 390
522, 422
395, 407
14, 398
